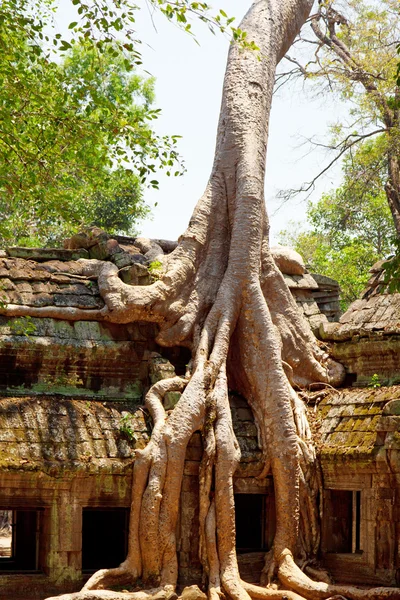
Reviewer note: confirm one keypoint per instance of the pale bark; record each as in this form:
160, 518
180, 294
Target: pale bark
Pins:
222, 296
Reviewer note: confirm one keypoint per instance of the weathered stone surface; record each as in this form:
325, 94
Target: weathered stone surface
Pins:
288, 261
392, 408
193, 592
354, 424
103, 250
171, 399
160, 368
45, 254
304, 281
135, 274
42, 434
373, 314
86, 239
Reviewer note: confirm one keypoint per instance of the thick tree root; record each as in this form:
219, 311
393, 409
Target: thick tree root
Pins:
264, 593
293, 578
155, 594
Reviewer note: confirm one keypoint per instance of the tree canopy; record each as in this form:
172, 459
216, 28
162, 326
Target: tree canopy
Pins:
353, 53
76, 141
77, 145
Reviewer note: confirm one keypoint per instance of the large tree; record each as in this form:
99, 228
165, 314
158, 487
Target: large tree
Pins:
222, 296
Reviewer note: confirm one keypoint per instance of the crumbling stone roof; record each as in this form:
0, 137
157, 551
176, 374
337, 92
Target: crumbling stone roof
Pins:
375, 311
62, 436
51, 283
378, 313
51, 277
360, 423
59, 435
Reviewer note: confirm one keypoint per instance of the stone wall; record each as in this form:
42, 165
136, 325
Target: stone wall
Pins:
360, 452
64, 455
81, 357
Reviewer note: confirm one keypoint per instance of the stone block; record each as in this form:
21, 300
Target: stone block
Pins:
196, 440
247, 445
245, 429
45, 254
193, 453
122, 259
128, 275
99, 251
388, 423
171, 399
184, 560
112, 450
100, 448
160, 368
124, 448
288, 261
237, 401
392, 440
382, 480
392, 408
191, 485
191, 467
244, 414
144, 280
385, 494
78, 301
75, 561
193, 592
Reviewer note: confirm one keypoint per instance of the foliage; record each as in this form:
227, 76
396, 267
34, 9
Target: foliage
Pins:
350, 228
392, 270
374, 382
368, 33
72, 133
22, 326
155, 269
76, 142
352, 52
125, 427
59, 383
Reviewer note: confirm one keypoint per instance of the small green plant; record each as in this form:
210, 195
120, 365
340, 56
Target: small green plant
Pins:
125, 427
3, 298
155, 268
374, 381
22, 326
59, 382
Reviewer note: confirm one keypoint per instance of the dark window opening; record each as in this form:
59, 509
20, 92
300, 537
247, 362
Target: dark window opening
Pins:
357, 520
250, 522
19, 539
104, 537
350, 379
342, 521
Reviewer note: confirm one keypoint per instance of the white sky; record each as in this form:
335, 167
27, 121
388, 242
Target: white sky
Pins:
188, 90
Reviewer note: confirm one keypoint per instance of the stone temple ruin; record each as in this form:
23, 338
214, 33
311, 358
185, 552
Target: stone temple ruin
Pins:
71, 416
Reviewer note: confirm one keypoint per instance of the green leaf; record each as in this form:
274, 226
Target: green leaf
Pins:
65, 45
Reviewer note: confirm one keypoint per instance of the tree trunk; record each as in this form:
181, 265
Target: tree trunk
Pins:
392, 187
222, 296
